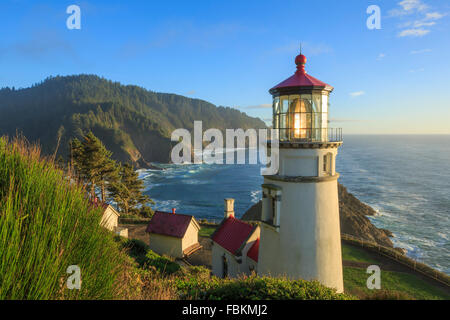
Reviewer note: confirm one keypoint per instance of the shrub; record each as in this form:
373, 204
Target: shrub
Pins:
256, 288
162, 264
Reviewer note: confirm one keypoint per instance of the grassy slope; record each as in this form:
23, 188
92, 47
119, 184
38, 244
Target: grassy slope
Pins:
46, 225
351, 253
408, 284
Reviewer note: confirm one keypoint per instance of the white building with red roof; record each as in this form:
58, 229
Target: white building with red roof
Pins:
234, 245
173, 234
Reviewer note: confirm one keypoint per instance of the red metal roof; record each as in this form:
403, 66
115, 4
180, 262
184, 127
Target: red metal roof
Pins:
169, 224
253, 251
300, 78
232, 233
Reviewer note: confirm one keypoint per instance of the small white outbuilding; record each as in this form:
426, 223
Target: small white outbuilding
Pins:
110, 217
173, 234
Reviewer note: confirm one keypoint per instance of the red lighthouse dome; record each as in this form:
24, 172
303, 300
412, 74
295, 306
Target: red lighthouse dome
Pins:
300, 108
300, 80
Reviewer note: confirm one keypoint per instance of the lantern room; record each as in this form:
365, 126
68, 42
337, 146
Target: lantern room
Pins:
301, 106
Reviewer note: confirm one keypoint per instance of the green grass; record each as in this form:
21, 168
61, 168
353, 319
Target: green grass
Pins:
147, 259
206, 231
352, 253
393, 284
408, 284
46, 225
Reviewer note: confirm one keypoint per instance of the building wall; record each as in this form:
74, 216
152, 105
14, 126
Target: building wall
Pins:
305, 162
252, 265
120, 231
167, 245
110, 219
307, 243
191, 236
217, 252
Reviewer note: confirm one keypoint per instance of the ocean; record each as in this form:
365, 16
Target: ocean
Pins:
405, 178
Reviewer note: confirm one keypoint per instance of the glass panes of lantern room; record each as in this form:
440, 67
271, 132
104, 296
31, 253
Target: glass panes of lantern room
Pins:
301, 117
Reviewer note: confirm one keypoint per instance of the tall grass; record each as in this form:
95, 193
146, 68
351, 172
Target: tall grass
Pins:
46, 225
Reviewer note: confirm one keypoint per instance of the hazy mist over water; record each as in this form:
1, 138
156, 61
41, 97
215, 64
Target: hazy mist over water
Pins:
406, 178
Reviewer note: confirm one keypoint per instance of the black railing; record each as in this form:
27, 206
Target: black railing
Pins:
311, 135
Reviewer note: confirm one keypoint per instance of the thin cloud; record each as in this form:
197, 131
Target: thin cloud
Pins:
413, 33
419, 24
190, 93
42, 44
421, 19
417, 70
260, 106
381, 56
337, 120
357, 93
408, 7
433, 16
420, 51
187, 33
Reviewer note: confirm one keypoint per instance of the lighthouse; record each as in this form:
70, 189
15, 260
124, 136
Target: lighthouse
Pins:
299, 227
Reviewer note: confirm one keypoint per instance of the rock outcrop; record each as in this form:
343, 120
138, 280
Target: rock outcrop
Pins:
352, 217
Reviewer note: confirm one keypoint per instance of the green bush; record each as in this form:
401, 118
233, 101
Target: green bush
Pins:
46, 225
162, 264
255, 288
136, 247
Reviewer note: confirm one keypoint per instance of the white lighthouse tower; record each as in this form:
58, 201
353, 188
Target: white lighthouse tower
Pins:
300, 232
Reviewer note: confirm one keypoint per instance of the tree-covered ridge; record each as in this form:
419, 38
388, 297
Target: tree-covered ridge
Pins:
134, 123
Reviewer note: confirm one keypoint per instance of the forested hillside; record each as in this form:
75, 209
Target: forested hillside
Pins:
134, 123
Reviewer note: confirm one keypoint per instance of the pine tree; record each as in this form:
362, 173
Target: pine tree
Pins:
93, 163
127, 192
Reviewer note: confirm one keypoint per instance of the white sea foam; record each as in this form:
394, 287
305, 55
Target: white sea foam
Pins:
256, 195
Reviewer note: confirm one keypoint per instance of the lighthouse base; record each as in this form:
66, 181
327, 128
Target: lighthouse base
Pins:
304, 240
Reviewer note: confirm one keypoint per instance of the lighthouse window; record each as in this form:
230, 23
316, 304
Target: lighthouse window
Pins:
327, 163
301, 116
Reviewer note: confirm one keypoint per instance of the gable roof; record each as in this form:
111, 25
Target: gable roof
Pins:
232, 233
108, 206
170, 224
253, 251
96, 203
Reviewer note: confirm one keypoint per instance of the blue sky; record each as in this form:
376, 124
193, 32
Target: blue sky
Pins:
392, 80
